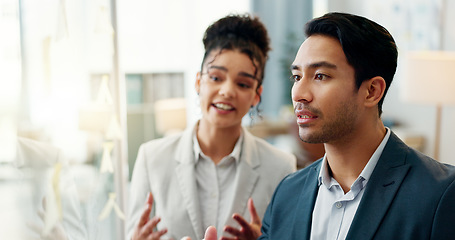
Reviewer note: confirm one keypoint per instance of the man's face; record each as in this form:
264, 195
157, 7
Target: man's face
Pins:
326, 101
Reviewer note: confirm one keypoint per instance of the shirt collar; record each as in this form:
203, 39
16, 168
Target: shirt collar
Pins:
235, 154
368, 170
325, 178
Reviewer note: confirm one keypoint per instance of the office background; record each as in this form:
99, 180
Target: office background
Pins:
93, 78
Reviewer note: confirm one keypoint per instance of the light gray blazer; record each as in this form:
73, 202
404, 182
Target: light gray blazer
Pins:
166, 167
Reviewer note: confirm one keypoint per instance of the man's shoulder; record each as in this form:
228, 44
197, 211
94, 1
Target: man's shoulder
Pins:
298, 190
397, 153
429, 174
427, 167
300, 177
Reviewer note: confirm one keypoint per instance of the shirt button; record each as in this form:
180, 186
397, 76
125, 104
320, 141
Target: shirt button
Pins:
338, 205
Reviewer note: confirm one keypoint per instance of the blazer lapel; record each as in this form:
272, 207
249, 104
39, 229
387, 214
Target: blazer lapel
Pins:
245, 181
304, 212
246, 177
185, 172
385, 181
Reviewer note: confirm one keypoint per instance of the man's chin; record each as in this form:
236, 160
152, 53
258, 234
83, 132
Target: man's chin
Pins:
310, 137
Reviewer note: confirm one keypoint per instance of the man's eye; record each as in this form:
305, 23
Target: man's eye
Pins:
295, 78
320, 76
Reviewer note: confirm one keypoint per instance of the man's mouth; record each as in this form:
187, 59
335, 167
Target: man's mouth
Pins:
305, 116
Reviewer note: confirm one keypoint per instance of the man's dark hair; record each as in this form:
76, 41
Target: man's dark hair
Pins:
369, 48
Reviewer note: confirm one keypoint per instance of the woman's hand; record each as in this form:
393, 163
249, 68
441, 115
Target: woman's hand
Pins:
144, 229
247, 231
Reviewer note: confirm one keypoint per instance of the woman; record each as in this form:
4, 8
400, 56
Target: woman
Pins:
209, 172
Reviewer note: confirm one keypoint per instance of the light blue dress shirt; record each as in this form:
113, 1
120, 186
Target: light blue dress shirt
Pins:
334, 210
215, 184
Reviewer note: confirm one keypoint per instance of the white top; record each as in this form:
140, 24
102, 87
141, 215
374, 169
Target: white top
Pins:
334, 211
215, 184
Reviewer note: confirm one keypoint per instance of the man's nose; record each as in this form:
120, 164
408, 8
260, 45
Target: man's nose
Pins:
301, 91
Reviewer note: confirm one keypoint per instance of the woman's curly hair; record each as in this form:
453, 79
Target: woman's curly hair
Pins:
245, 33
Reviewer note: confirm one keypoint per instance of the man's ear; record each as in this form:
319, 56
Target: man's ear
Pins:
374, 89
197, 84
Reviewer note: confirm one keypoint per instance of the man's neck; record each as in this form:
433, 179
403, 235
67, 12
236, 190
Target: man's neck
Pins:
347, 159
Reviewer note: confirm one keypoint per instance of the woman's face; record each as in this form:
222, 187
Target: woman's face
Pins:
227, 88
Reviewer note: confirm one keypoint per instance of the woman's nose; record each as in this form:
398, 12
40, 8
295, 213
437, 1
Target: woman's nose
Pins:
227, 89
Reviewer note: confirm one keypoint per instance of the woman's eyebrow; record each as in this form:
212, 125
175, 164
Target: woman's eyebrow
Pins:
218, 67
244, 74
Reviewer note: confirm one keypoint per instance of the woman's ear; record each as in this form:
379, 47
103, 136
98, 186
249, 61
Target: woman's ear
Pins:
197, 84
257, 97
375, 88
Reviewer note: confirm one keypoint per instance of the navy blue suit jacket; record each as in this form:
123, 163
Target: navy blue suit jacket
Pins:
409, 196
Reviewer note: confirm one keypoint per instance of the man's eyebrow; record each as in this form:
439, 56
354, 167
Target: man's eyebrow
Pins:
315, 65
295, 67
322, 64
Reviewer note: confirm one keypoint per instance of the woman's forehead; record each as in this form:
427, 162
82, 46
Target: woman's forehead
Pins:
229, 58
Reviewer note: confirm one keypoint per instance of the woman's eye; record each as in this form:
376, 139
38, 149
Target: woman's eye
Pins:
214, 78
244, 85
295, 78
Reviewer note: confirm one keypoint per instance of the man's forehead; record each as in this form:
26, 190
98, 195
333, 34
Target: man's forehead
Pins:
319, 49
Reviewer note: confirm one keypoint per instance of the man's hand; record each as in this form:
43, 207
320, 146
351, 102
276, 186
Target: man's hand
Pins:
144, 229
210, 233
247, 231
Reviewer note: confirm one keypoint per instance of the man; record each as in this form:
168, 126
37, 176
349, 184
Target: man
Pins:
369, 184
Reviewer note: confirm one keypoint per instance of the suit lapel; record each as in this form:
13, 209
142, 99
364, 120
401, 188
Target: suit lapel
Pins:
304, 213
246, 176
380, 191
246, 179
185, 172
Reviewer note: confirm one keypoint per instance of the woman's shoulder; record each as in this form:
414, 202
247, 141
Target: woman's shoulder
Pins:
167, 145
163, 141
176, 138
267, 148
268, 154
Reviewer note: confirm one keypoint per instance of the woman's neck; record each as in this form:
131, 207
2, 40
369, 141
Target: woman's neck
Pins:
217, 143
